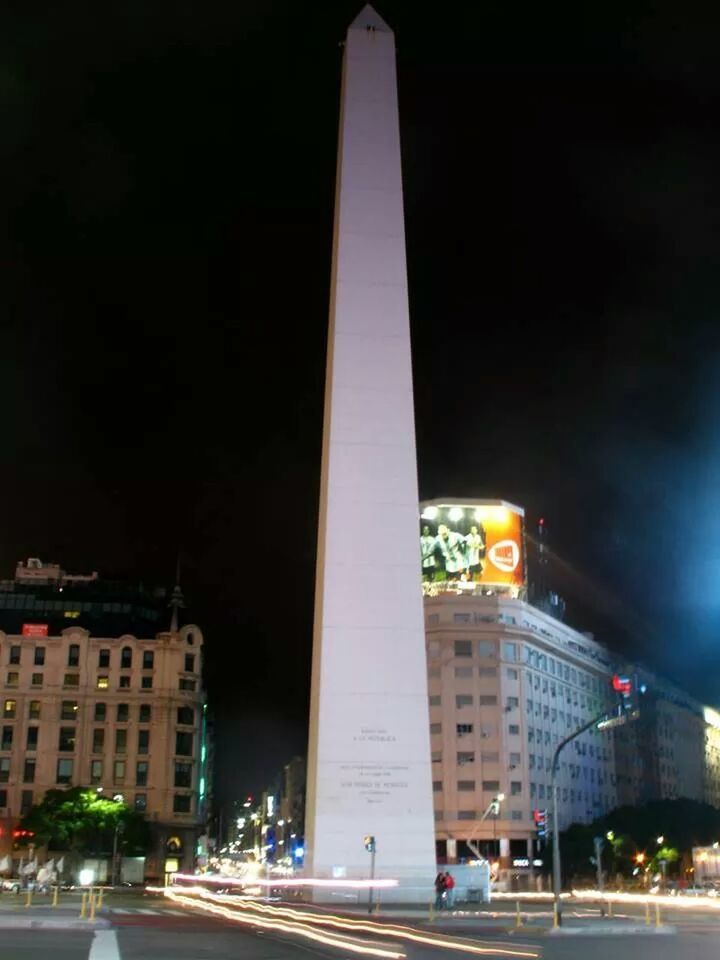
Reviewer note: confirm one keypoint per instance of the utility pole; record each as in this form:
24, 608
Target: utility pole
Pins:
370, 846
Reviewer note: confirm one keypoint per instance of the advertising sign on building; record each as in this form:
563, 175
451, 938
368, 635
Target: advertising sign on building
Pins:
472, 542
35, 630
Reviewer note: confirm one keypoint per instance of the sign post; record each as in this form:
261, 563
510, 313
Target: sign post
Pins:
370, 847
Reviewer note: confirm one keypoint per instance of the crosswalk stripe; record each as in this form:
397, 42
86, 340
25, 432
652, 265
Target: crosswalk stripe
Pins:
176, 913
153, 913
120, 910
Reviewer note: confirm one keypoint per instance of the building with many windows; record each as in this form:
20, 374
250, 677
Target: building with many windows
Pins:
121, 714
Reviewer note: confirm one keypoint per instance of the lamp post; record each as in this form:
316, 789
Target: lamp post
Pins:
119, 828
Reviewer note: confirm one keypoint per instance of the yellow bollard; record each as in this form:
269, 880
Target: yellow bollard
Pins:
647, 913
56, 894
83, 905
431, 912
100, 898
28, 899
556, 917
92, 905
609, 904
518, 918
657, 915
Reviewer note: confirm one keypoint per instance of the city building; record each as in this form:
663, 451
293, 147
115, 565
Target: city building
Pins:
507, 682
122, 714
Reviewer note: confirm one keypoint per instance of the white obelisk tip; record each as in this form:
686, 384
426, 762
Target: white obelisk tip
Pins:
369, 19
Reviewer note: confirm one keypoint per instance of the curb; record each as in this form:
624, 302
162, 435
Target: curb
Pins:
598, 929
31, 923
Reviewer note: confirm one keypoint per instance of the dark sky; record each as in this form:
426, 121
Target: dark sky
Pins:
167, 190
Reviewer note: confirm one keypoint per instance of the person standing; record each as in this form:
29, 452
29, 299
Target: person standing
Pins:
450, 890
440, 892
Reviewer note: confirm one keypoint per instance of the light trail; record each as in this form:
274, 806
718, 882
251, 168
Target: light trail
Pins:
680, 903
379, 884
395, 931
296, 929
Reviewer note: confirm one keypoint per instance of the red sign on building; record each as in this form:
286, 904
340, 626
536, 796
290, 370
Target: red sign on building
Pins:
35, 630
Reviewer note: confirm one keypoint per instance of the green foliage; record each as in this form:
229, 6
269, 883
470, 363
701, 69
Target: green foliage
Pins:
84, 821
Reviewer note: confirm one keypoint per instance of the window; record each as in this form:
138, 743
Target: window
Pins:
124, 682
514, 759
186, 716
3, 798
148, 661
181, 803
26, 802
461, 618
126, 658
437, 786
14, 655
141, 802
183, 774
29, 770
183, 744
466, 785
102, 683
189, 662
12, 679
513, 729
143, 741
141, 773
145, 713
7, 738
190, 638
4, 769
463, 672
100, 712
463, 729
516, 814
32, 738
491, 785
103, 659
435, 728
467, 815
64, 771
73, 655
515, 788
9, 709
146, 683
488, 700
37, 680
71, 680
490, 756
123, 712
68, 710
96, 771
434, 701
512, 702
34, 710
66, 739
509, 650
464, 757
121, 740
486, 648
487, 671
39, 659
511, 673
436, 756
463, 648
119, 771
98, 740
185, 684
463, 700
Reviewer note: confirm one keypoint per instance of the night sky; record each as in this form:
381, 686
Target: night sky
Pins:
166, 228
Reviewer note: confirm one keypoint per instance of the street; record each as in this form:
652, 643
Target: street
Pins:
133, 926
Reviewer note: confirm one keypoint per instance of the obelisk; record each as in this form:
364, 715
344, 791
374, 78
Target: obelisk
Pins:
369, 750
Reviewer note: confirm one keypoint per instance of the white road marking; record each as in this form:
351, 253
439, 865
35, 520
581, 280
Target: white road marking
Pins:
152, 913
120, 910
104, 946
176, 913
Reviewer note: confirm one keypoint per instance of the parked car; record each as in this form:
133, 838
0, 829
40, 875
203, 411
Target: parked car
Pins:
12, 885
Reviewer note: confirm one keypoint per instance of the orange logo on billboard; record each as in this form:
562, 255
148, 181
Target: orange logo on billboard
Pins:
504, 555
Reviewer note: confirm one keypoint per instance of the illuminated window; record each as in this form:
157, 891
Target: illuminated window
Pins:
9, 709
34, 710
39, 656
64, 771
102, 683
103, 659
68, 710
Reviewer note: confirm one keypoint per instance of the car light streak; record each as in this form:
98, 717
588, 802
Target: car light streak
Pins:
681, 903
296, 929
379, 884
294, 914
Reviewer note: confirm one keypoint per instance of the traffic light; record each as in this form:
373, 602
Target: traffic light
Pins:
370, 844
540, 818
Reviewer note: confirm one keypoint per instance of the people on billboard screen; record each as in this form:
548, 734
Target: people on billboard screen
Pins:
453, 554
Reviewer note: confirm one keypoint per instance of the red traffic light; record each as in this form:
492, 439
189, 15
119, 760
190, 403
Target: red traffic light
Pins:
621, 685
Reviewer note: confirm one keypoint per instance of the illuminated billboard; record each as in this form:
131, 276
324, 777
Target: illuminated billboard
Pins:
472, 542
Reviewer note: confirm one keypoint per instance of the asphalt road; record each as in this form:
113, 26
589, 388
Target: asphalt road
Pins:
148, 928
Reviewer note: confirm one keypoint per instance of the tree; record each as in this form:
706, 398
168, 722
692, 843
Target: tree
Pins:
84, 821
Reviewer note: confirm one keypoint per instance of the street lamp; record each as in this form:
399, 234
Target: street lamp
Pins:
119, 828
660, 840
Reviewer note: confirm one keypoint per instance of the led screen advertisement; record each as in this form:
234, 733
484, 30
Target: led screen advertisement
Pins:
478, 542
